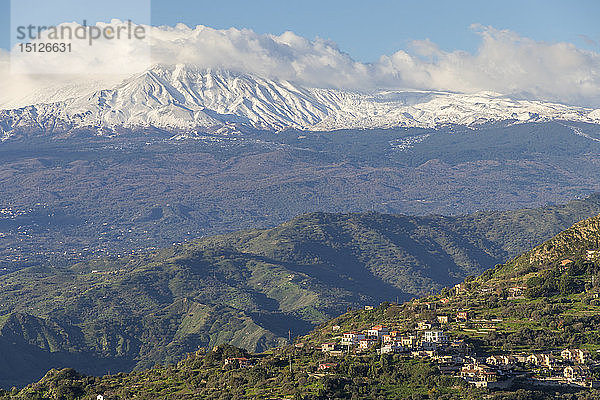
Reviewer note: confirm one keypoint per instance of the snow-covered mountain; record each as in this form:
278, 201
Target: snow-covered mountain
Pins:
182, 98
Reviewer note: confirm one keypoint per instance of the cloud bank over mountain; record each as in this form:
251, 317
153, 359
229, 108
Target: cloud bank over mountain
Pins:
505, 63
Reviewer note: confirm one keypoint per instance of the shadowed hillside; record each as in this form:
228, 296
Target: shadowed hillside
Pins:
247, 288
553, 317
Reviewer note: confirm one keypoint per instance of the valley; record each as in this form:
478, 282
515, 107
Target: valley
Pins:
516, 331
250, 288
70, 199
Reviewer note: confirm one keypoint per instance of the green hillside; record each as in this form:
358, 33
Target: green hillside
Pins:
557, 308
558, 305
248, 289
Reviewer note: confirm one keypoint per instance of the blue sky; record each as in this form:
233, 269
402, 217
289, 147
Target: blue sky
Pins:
366, 30
541, 49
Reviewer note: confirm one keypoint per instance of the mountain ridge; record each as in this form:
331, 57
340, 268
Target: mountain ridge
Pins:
185, 99
528, 329
247, 288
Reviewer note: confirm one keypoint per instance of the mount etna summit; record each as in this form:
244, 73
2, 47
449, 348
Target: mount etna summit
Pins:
187, 99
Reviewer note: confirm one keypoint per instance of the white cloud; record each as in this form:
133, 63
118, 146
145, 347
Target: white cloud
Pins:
505, 63
288, 56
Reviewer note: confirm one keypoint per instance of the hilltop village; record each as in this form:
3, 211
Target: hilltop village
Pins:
455, 357
528, 329
444, 328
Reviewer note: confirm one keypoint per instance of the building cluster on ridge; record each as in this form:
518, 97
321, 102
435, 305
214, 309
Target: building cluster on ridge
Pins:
570, 367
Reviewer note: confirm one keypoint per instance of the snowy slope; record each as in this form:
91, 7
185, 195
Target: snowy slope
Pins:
183, 98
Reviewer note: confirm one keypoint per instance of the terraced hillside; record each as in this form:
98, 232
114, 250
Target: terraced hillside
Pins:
251, 289
556, 308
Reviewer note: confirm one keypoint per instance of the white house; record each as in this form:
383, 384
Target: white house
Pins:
352, 338
435, 337
409, 341
541, 359
500, 360
576, 372
377, 331
393, 347
366, 343
326, 347
422, 325
576, 355
474, 372
516, 292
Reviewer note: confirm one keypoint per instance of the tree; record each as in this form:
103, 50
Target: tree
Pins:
567, 285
